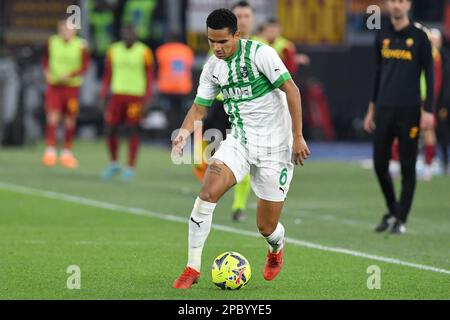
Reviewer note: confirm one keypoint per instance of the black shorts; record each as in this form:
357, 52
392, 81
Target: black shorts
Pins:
397, 122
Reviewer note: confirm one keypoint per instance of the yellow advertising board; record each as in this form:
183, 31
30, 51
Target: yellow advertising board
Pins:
313, 22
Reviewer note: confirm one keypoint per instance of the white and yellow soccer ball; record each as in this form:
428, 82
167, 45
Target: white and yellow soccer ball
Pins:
230, 271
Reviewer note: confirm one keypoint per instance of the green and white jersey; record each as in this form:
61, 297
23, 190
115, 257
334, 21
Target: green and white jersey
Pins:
249, 82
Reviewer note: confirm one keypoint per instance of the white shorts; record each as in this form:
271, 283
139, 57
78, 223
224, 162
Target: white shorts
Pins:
270, 173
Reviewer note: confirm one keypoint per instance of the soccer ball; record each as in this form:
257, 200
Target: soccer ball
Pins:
230, 271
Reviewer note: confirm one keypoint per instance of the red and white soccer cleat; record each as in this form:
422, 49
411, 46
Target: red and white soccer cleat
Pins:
189, 277
274, 263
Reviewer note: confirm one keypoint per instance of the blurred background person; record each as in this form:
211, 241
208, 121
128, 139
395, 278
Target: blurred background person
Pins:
174, 78
65, 59
395, 110
442, 106
129, 78
259, 34
101, 24
429, 134
246, 18
285, 48
141, 14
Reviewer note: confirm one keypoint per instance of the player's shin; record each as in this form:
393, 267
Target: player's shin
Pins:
50, 135
133, 150
68, 137
113, 142
275, 240
133, 144
199, 227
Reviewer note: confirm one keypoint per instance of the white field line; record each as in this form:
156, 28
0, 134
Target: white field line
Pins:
169, 217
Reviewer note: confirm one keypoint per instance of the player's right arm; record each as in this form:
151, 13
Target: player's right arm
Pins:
206, 93
195, 113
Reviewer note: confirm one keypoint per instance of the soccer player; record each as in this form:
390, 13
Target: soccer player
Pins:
217, 118
66, 58
264, 108
402, 52
128, 75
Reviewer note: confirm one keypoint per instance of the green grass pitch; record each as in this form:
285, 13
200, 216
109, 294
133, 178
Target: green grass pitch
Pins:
127, 248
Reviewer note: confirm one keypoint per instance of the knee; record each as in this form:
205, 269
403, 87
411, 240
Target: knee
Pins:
70, 122
208, 196
266, 228
53, 118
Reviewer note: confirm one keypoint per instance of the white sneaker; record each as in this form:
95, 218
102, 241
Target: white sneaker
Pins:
426, 174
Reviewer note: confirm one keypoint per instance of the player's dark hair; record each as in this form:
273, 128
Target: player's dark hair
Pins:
272, 20
261, 27
128, 25
241, 4
221, 19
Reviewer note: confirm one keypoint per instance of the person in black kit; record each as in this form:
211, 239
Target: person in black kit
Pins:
402, 52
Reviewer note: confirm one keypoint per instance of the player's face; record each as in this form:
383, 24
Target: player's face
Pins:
64, 31
272, 32
222, 42
245, 19
128, 35
398, 9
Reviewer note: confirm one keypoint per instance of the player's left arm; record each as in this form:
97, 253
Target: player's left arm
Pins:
269, 63
300, 149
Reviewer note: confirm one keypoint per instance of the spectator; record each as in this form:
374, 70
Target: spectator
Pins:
101, 17
174, 60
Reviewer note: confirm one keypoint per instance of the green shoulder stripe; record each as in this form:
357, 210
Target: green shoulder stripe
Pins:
248, 62
203, 102
259, 45
282, 79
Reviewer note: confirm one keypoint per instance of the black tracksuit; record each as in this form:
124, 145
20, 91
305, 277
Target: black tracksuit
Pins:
401, 56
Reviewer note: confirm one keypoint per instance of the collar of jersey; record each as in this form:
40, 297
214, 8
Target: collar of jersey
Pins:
125, 46
238, 51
